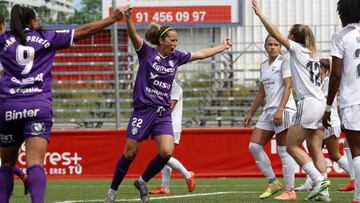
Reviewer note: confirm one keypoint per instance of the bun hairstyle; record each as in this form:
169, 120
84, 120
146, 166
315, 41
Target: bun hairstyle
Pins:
325, 64
20, 19
155, 33
303, 34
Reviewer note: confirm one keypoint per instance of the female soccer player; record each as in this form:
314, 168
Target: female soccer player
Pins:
345, 52
27, 55
275, 88
176, 117
151, 100
305, 72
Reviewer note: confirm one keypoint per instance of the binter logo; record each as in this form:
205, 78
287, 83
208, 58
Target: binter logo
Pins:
16, 115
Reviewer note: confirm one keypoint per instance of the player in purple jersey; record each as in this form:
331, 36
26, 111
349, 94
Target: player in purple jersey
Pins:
151, 99
27, 54
17, 171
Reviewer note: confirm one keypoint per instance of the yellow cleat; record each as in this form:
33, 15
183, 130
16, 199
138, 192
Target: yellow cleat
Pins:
271, 189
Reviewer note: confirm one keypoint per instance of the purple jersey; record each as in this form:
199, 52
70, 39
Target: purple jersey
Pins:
27, 68
155, 76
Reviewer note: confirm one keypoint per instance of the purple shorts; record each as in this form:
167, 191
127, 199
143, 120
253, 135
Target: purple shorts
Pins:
149, 120
20, 120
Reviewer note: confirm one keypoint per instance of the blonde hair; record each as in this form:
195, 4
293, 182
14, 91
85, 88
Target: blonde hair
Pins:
303, 34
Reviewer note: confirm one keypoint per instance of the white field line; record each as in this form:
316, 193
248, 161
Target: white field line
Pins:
153, 198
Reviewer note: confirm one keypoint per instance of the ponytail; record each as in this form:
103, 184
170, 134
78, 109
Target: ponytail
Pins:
155, 32
302, 34
20, 19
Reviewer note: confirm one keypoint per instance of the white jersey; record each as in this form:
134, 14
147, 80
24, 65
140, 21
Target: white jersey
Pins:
176, 114
345, 45
335, 120
305, 72
271, 76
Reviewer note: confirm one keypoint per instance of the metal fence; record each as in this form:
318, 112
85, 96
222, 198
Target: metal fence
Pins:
217, 91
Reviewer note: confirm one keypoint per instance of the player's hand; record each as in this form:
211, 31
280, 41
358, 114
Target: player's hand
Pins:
256, 7
128, 12
326, 119
278, 117
247, 120
119, 12
227, 43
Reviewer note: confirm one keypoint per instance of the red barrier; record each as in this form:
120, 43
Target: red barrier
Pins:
214, 152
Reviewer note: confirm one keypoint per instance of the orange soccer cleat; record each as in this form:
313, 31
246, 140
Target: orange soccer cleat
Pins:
348, 187
160, 191
286, 195
191, 182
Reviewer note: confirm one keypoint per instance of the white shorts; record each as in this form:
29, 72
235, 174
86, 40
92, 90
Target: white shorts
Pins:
309, 113
177, 137
333, 130
266, 120
350, 118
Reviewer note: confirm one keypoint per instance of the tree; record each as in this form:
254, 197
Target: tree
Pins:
91, 10
4, 10
44, 14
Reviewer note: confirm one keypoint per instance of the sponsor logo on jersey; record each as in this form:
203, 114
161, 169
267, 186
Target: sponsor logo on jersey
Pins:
16, 115
158, 67
171, 63
134, 130
157, 93
37, 128
25, 90
28, 80
157, 58
153, 76
164, 85
7, 139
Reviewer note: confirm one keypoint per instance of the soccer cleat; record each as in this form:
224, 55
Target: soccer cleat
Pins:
317, 188
160, 191
110, 196
286, 195
271, 189
355, 202
348, 187
303, 188
143, 191
191, 182
26, 187
323, 198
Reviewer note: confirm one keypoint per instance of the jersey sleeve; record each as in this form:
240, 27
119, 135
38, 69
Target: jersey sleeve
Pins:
184, 57
143, 51
60, 39
337, 47
285, 67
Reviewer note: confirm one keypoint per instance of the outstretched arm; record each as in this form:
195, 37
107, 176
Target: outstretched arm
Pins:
90, 29
272, 30
131, 30
207, 52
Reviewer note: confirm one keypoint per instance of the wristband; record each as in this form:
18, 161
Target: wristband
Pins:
328, 108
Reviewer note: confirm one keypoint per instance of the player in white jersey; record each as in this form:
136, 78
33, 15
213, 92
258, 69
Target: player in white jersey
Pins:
345, 52
305, 72
176, 117
331, 134
275, 88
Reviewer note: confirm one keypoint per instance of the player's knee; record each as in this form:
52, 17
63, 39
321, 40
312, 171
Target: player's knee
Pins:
130, 154
290, 149
166, 152
254, 147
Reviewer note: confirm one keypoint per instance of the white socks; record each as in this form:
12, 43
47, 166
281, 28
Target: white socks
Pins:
350, 163
262, 160
288, 167
175, 164
165, 177
343, 163
356, 165
311, 170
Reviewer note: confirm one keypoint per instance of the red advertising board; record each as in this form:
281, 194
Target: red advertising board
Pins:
209, 152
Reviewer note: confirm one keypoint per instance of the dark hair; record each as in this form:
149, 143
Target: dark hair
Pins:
349, 11
20, 19
325, 64
2, 19
155, 33
303, 34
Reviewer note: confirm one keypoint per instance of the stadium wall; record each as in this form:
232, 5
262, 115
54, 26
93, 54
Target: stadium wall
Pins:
210, 152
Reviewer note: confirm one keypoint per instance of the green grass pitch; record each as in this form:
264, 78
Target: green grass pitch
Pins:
208, 190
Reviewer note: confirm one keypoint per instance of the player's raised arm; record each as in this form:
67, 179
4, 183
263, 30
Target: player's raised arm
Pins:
131, 30
90, 29
271, 28
207, 52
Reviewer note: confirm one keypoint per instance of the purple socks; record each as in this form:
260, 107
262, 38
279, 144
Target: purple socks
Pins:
154, 167
6, 183
121, 169
37, 183
19, 173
